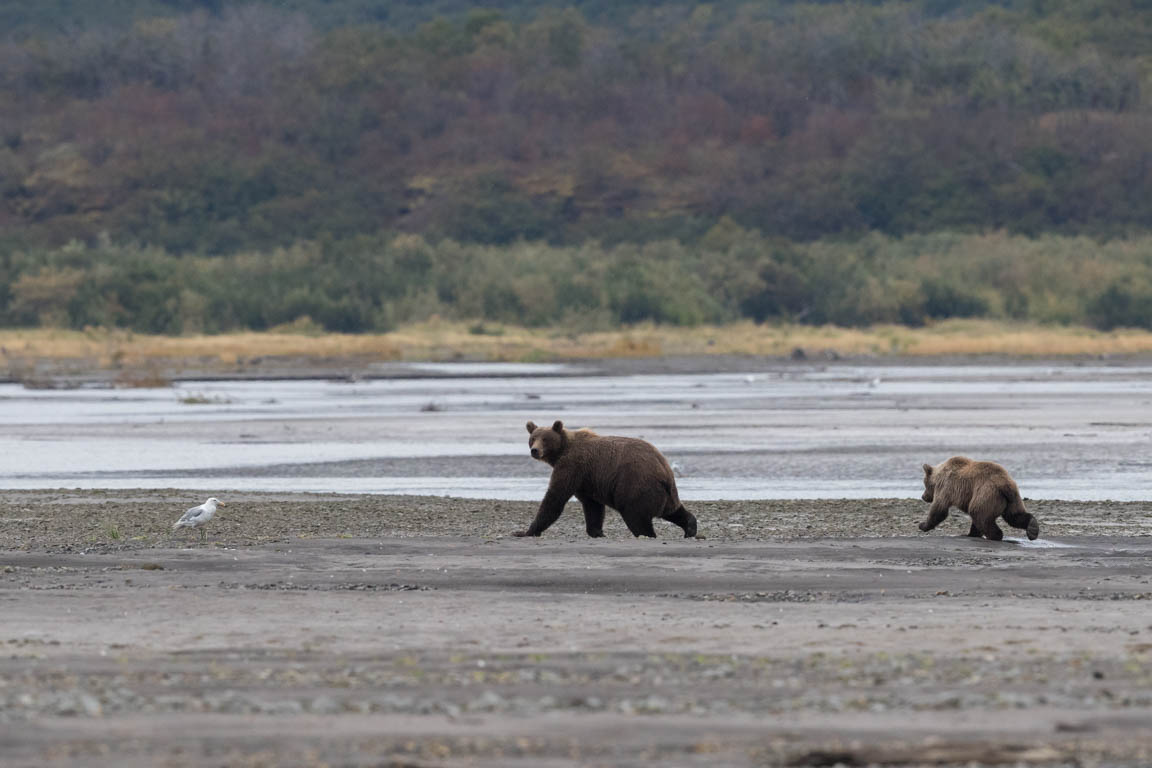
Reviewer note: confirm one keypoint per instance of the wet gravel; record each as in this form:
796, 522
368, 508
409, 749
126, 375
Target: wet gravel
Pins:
531, 684
415, 631
118, 521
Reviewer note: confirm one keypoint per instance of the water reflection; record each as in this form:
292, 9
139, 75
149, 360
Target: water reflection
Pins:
1065, 431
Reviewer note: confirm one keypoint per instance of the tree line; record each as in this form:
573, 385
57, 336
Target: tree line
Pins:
180, 141
251, 127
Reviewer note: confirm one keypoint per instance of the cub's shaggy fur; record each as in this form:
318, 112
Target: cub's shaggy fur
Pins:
624, 473
983, 489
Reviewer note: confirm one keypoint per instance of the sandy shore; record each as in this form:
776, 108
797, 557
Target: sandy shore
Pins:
356, 630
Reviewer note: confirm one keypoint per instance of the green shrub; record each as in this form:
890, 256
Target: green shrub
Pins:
1122, 305
373, 284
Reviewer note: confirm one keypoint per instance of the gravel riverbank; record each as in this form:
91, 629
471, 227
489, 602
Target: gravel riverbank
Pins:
371, 630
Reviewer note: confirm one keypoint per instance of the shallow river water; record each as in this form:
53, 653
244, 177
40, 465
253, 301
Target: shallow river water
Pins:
788, 431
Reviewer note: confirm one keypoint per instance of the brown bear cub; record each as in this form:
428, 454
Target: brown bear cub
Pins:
624, 473
983, 489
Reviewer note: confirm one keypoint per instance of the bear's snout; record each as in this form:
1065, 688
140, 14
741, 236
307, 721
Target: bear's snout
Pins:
535, 453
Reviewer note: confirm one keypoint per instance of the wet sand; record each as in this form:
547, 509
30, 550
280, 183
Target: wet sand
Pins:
374, 630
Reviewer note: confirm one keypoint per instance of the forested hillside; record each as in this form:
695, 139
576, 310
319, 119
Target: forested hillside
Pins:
149, 145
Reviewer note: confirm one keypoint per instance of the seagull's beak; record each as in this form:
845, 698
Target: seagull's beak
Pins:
221, 504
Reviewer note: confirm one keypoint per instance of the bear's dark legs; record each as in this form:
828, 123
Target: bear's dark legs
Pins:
1023, 521
974, 532
992, 531
639, 526
684, 519
549, 512
987, 504
936, 515
639, 505
593, 517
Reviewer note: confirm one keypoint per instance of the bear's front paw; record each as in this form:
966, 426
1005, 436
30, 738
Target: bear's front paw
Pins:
596, 534
924, 527
525, 533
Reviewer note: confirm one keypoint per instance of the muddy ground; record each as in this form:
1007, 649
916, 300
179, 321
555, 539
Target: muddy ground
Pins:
361, 630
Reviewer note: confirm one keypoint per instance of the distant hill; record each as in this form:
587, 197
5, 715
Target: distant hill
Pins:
169, 128
247, 126
1105, 19
49, 17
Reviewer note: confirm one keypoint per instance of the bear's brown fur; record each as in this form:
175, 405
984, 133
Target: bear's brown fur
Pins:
624, 473
983, 489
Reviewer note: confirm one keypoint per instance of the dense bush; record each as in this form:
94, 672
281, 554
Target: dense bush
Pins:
1122, 305
205, 165
224, 126
371, 284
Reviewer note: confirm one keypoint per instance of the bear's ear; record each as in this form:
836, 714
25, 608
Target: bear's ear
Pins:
531, 427
927, 469
558, 426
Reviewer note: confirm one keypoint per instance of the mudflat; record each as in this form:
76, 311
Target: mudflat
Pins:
374, 630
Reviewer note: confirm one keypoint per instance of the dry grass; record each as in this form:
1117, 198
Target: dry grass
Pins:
122, 350
952, 338
142, 360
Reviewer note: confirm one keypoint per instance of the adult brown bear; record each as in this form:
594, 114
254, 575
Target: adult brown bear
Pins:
624, 473
983, 489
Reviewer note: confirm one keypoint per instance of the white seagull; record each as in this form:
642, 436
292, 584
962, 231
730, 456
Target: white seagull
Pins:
199, 516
